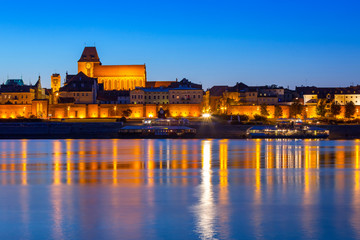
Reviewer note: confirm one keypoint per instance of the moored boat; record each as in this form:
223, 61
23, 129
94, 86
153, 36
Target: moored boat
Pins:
287, 129
159, 128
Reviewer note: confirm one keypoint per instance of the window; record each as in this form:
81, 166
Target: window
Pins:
173, 96
194, 96
163, 97
82, 94
149, 97
198, 96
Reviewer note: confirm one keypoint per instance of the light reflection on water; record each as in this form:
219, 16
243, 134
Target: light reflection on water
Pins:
207, 189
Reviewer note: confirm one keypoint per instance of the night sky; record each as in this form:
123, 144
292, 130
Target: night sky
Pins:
288, 43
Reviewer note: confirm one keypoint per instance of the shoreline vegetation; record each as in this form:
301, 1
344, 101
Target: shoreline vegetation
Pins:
109, 128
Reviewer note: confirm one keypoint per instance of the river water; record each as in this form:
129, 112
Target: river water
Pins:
179, 189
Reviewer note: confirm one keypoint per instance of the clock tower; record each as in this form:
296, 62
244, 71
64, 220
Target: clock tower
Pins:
88, 60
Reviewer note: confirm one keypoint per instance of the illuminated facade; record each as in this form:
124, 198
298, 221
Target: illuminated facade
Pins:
185, 95
345, 98
149, 96
55, 82
79, 89
114, 77
14, 91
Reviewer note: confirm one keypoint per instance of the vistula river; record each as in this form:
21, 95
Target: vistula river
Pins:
179, 189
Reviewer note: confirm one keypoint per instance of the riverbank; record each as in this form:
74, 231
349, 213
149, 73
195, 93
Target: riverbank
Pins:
105, 130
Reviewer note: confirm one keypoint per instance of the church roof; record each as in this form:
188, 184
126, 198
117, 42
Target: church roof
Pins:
120, 71
89, 55
155, 84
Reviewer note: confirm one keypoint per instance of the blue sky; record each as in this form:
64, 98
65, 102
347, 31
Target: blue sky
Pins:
287, 43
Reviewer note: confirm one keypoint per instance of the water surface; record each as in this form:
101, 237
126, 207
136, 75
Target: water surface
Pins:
179, 189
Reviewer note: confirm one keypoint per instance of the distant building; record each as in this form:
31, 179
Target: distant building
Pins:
113, 77
79, 88
185, 95
14, 91
347, 95
158, 95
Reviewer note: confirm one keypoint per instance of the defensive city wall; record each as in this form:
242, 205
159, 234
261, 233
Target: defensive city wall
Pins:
42, 109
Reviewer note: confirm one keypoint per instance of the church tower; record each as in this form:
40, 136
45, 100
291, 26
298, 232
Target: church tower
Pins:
89, 58
55, 82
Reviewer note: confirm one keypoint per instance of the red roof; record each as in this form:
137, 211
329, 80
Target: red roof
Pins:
89, 55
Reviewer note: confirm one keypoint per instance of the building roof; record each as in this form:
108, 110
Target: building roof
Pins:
14, 82
185, 83
327, 92
185, 88
79, 83
239, 87
218, 90
89, 55
38, 83
120, 71
159, 89
68, 77
6, 88
15, 85
155, 84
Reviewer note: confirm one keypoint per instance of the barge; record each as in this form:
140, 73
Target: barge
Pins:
287, 129
159, 128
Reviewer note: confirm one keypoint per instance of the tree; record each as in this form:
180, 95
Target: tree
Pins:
259, 118
335, 108
127, 113
321, 108
296, 108
263, 110
278, 112
349, 109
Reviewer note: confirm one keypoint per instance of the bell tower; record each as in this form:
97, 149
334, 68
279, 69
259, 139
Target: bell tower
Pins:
88, 60
55, 82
